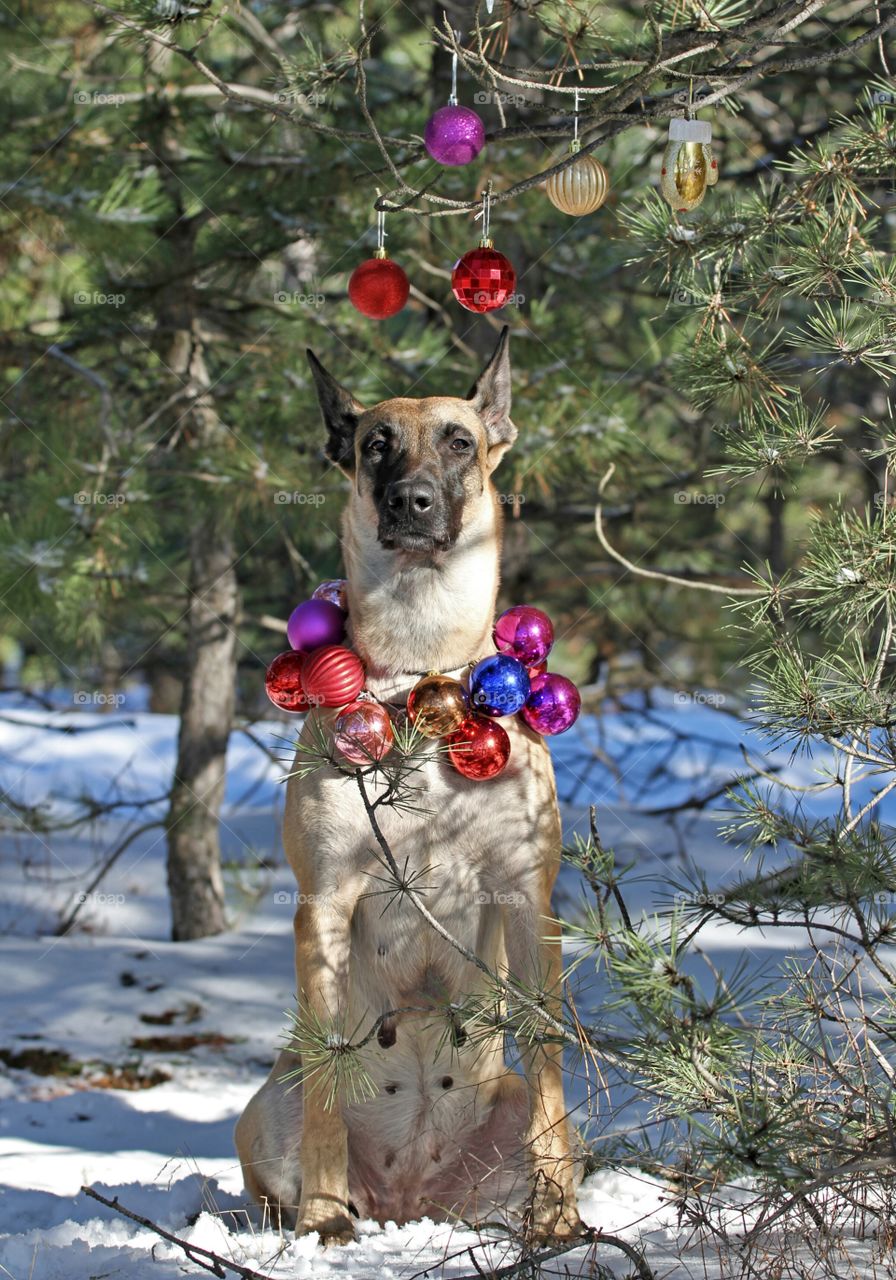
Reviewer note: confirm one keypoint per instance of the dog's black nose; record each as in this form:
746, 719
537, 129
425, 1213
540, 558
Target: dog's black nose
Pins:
410, 497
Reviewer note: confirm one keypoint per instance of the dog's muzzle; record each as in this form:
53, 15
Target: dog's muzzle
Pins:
412, 516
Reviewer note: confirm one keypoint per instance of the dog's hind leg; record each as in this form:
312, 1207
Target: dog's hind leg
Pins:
268, 1138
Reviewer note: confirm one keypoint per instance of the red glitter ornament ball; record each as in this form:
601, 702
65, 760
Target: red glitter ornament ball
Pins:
332, 676
378, 288
283, 681
483, 279
479, 749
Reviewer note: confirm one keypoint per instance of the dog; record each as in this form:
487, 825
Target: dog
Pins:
453, 1132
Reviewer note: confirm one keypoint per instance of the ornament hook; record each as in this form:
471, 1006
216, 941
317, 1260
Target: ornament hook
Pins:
380, 230
576, 144
486, 217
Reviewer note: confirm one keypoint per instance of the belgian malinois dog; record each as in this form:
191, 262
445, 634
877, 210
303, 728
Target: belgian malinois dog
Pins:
453, 1132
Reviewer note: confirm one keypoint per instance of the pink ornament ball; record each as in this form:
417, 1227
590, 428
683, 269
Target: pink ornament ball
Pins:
335, 590
454, 135
283, 681
553, 704
363, 732
314, 623
524, 633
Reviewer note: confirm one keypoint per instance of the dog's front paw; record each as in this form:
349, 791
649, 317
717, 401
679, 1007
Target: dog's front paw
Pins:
333, 1225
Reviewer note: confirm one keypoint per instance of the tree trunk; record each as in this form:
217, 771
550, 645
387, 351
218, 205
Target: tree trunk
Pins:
195, 882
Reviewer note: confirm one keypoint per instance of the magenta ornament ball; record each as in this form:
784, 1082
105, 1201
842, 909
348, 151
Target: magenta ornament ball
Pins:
314, 623
553, 704
524, 633
454, 135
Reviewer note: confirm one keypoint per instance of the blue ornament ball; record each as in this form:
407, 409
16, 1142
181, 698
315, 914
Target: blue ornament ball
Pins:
499, 686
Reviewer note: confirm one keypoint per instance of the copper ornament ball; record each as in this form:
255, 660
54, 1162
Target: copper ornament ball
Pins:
580, 188
437, 705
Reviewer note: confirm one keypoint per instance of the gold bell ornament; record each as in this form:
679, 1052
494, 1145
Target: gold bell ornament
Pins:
581, 187
688, 164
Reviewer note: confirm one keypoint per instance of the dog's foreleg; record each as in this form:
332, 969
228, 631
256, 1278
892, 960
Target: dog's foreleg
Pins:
535, 963
322, 937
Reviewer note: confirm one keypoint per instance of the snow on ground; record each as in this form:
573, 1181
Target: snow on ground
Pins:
166, 1043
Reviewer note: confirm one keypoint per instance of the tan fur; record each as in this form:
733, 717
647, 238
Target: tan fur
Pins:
452, 1132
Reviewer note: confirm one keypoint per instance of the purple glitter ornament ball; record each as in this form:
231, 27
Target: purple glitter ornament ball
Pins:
553, 704
315, 623
524, 633
335, 590
454, 135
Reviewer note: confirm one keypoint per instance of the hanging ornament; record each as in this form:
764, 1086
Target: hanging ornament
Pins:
335, 590
283, 682
483, 279
363, 732
333, 676
553, 704
438, 705
581, 187
314, 623
499, 686
684, 176
378, 288
454, 135
524, 633
479, 749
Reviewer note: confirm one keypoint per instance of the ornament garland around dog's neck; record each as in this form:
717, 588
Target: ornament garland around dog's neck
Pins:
320, 671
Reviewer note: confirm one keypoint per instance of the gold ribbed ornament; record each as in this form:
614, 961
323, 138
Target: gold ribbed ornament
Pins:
712, 169
580, 188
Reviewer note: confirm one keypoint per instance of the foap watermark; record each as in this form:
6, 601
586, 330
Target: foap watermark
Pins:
708, 699
293, 298
482, 898
482, 296
94, 698
883, 97
511, 499
488, 97
316, 98
684, 298
285, 898
285, 498
101, 899
83, 98
700, 899
684, 97
86, 498
690, 498
84, 298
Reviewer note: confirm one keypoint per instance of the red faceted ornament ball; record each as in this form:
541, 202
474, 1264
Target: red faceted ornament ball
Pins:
483, 279
332, 676
283, 681
378, 288
363, 732
479, 749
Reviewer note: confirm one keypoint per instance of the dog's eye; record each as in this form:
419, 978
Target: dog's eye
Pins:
376, 446
460, 444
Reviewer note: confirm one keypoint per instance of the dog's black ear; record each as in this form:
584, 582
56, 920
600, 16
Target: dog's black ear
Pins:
491, 398
340, 410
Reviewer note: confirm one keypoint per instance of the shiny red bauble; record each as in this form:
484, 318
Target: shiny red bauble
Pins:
363, 732
483, 279
479, 749
284, 682
378, 288
332, 676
